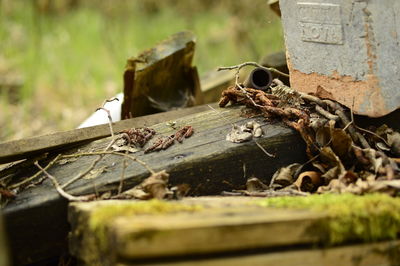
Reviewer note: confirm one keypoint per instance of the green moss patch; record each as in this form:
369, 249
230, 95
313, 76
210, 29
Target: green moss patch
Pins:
102, 216
365, 218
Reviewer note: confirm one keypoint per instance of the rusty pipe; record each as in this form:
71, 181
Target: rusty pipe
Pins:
259, 78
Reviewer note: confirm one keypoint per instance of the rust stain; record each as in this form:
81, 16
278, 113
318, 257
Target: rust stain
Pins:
363, 96
322, 93
343, 89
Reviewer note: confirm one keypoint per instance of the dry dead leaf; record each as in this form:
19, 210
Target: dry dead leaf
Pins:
308, 181
394, 142
323, 136
243, 133
154, 186
255, 185
285, 175
95, 172
237, 135
341, 142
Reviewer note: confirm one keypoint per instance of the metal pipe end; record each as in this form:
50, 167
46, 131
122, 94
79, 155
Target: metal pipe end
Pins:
259, 78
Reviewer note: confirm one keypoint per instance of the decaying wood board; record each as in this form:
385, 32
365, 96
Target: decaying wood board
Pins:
134, 233
3, 245
28, 147
383, 254
205, 161
228, 227
162, 78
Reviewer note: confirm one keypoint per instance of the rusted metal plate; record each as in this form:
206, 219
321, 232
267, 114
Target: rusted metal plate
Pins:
346, 51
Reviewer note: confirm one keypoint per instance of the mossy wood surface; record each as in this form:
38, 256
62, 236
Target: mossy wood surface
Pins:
353, 255
204, 230
34, 146
205, 161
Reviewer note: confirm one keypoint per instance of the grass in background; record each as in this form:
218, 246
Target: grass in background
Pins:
72, 57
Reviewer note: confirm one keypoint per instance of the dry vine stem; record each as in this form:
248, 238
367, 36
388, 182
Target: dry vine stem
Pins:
25, 181
59, 189
133, 158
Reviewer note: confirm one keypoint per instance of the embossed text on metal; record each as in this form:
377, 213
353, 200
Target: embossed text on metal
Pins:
320, 22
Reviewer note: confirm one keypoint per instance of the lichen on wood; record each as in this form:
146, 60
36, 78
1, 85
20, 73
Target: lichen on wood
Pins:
367, 218
98, 219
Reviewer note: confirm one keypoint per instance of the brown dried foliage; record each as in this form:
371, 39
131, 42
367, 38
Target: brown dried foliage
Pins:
341, 155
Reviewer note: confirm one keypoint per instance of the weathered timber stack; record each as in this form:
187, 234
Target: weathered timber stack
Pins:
36, 221
220, 231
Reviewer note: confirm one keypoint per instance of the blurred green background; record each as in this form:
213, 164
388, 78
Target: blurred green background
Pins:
59, 59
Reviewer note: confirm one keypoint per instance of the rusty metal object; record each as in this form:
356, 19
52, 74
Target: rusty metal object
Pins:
259, 79
346, 51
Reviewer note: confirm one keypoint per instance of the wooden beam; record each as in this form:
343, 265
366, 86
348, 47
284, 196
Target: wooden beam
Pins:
206, 227
383, 254
205, 161
3, 245
162, 78
28, 147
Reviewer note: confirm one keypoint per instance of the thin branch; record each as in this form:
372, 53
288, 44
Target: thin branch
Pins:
326, 114
96, 161
82, 174
312, 98
238, 67
264, 150
59, 189
223, 117
110, 100
109, 119
109, 152
121, 183
25, 181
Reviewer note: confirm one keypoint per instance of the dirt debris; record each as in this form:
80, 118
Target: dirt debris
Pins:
343, 156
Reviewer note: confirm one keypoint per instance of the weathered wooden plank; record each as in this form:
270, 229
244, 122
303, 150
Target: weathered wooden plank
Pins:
162, 78
24, 148
205, 161
112, 232
385, 253
216, 227
3, 245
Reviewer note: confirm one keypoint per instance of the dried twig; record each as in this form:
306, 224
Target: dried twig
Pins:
312, 98
59, 189
326, 114
110, 100
133, 158
264, 150
25, 181
121, 183
109, 119
238, 67
82, 174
